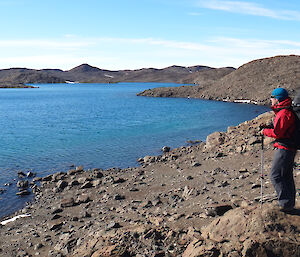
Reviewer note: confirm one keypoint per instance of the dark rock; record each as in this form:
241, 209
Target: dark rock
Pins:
219, 210
99, 174
113, 224
194, 142
119, 197
57, 210
156, 201
30, 174
61, 184
22, 184
23, 192
189, 178
146, 204
21, 174
55, 225
196, 164
38, 246
74, 183
86, 185
119, 180
166, 149
47, 178
55, 217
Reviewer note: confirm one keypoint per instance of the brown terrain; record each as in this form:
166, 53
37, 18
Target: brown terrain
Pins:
200, 200
88, 74
253, 81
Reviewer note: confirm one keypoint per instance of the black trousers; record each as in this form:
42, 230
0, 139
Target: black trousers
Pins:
282, 177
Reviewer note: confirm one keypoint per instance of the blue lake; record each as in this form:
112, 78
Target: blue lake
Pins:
49, 128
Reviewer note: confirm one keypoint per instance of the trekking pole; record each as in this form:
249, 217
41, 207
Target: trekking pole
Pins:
262, 171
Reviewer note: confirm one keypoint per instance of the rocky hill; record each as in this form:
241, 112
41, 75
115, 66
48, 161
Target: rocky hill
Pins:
252, 81
190, 201
88, 74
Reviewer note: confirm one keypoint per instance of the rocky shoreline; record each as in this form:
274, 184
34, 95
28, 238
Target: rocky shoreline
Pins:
252, 82
200, 200
15, 85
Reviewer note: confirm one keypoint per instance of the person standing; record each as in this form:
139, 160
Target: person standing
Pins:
283, 162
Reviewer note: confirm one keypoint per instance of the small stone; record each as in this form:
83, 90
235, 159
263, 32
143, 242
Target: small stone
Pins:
55, 225
55, 217
210, 180
61, 184
23, 192
189, 178
30, 174
36, 179
73, 183
83, 199
146, 204
119, 180
119, 197
196, 164
86, 185
38, 246
87, 215
98, 174
255, 186
82, 180
79, 168
21, 174
96, 182
156, 201
22, 184
113, 224
166, 149
69, 202
133, 189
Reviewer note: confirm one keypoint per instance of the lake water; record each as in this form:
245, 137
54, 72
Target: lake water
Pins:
47, 129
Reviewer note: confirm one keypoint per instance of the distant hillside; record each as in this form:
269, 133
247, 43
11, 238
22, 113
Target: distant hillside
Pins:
88, 74
23, 75
252, 81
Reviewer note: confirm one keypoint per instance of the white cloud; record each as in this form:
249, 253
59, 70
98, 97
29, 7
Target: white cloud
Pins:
134, 53
249, 8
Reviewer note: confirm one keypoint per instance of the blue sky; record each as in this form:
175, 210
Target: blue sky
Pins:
133, 34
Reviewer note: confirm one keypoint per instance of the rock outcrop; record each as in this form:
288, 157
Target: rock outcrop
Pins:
253, 81
249, 231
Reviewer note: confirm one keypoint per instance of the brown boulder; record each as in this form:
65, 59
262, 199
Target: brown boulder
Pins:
250, 231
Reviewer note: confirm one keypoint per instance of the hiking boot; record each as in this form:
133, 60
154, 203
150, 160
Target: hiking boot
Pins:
289, 210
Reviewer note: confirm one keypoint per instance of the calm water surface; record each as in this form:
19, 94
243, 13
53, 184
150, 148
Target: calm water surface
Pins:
47, 129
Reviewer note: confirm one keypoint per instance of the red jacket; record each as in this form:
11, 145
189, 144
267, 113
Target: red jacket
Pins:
284, 123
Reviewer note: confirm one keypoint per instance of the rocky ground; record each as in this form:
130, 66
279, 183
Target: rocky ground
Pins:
253, 81
200, 200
